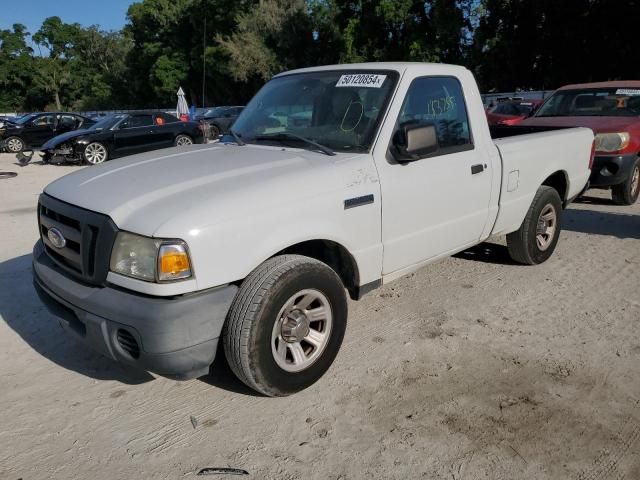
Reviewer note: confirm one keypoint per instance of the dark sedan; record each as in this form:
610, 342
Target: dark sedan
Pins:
33, 130
119, 135
220, 119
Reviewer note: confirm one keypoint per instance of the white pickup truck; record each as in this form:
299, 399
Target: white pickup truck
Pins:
334, 179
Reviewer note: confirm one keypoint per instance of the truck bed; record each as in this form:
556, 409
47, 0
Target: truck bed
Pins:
530, 155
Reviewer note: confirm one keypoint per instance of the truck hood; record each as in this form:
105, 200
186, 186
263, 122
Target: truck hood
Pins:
176, 190
597, 124
63, 137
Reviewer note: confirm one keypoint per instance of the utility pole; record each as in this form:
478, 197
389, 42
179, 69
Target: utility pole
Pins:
204, 58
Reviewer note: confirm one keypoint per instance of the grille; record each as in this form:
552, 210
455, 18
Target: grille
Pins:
128, 343
88, 237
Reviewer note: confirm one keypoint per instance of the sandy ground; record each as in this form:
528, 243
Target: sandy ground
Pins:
471, 368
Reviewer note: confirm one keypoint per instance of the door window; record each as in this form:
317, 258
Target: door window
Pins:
68, 122
44, 121
439, 101
139, 121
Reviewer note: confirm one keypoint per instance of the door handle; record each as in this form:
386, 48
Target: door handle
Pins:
479, 168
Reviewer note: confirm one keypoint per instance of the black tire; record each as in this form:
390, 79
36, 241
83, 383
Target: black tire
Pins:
14, 144
247, 334
627, 193
214, 131
182, 140
523, 244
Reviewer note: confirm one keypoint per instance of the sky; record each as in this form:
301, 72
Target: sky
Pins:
109, 14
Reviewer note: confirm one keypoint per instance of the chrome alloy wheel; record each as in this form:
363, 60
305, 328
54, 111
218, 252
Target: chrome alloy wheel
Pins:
302, 330
183, 140
15, 145
95, 153
547, 224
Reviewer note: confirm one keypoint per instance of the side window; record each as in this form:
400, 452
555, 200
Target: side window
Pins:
43, 121
439, 101
166, 118
67, 121
140, 121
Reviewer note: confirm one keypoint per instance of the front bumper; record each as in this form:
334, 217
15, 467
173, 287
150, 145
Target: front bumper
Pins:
175, 336
611, 170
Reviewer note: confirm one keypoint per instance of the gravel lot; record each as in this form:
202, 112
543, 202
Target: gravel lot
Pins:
471, 368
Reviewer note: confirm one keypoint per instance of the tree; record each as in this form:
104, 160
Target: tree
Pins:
16, 67
269, 38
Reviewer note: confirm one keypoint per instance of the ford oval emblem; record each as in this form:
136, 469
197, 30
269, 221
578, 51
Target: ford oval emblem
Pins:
56, 238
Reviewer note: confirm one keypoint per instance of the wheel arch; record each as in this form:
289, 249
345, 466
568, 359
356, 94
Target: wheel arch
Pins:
333, 254
559, 180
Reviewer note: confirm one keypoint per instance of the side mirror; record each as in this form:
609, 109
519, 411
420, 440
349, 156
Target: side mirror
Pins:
414, 141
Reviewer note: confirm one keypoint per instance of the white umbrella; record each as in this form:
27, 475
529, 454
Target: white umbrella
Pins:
183, 107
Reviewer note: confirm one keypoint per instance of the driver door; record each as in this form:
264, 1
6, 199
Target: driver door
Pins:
439, 203
39, 130
135, 134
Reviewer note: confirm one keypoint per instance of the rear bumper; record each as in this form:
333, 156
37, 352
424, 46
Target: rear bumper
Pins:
176, 336
611, 170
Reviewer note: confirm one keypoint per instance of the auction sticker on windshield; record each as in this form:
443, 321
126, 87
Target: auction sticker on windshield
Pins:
369, 80
628, 91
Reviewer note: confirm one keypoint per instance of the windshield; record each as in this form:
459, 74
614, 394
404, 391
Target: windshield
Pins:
25, 119
340, 110
595, 102
107, 122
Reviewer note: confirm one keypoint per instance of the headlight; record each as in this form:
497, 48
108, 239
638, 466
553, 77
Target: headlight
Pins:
612, 142
150, 259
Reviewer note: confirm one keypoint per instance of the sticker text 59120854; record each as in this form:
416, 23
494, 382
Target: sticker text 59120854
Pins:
368, 80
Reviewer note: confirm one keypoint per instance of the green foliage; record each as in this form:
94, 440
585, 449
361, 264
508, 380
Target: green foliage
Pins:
165, 44
549, 43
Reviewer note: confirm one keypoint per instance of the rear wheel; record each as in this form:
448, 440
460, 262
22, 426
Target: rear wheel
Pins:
95, 153
286, 325
14, 144
183, 140
627, 193
537, 237
214, 131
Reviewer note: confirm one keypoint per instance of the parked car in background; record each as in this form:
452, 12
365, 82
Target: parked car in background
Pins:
7, 119
612, 111
34, 129
511, 112
220, 119
121, 134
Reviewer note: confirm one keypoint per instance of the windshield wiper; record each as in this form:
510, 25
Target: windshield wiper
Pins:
293, 136
236, 137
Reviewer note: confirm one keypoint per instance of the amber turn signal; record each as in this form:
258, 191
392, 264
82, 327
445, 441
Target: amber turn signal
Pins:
173, 262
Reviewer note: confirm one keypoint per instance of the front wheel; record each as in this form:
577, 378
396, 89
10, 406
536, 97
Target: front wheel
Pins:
537, 237
286, 325
95, 153
183, 140
14, 144
627, 193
